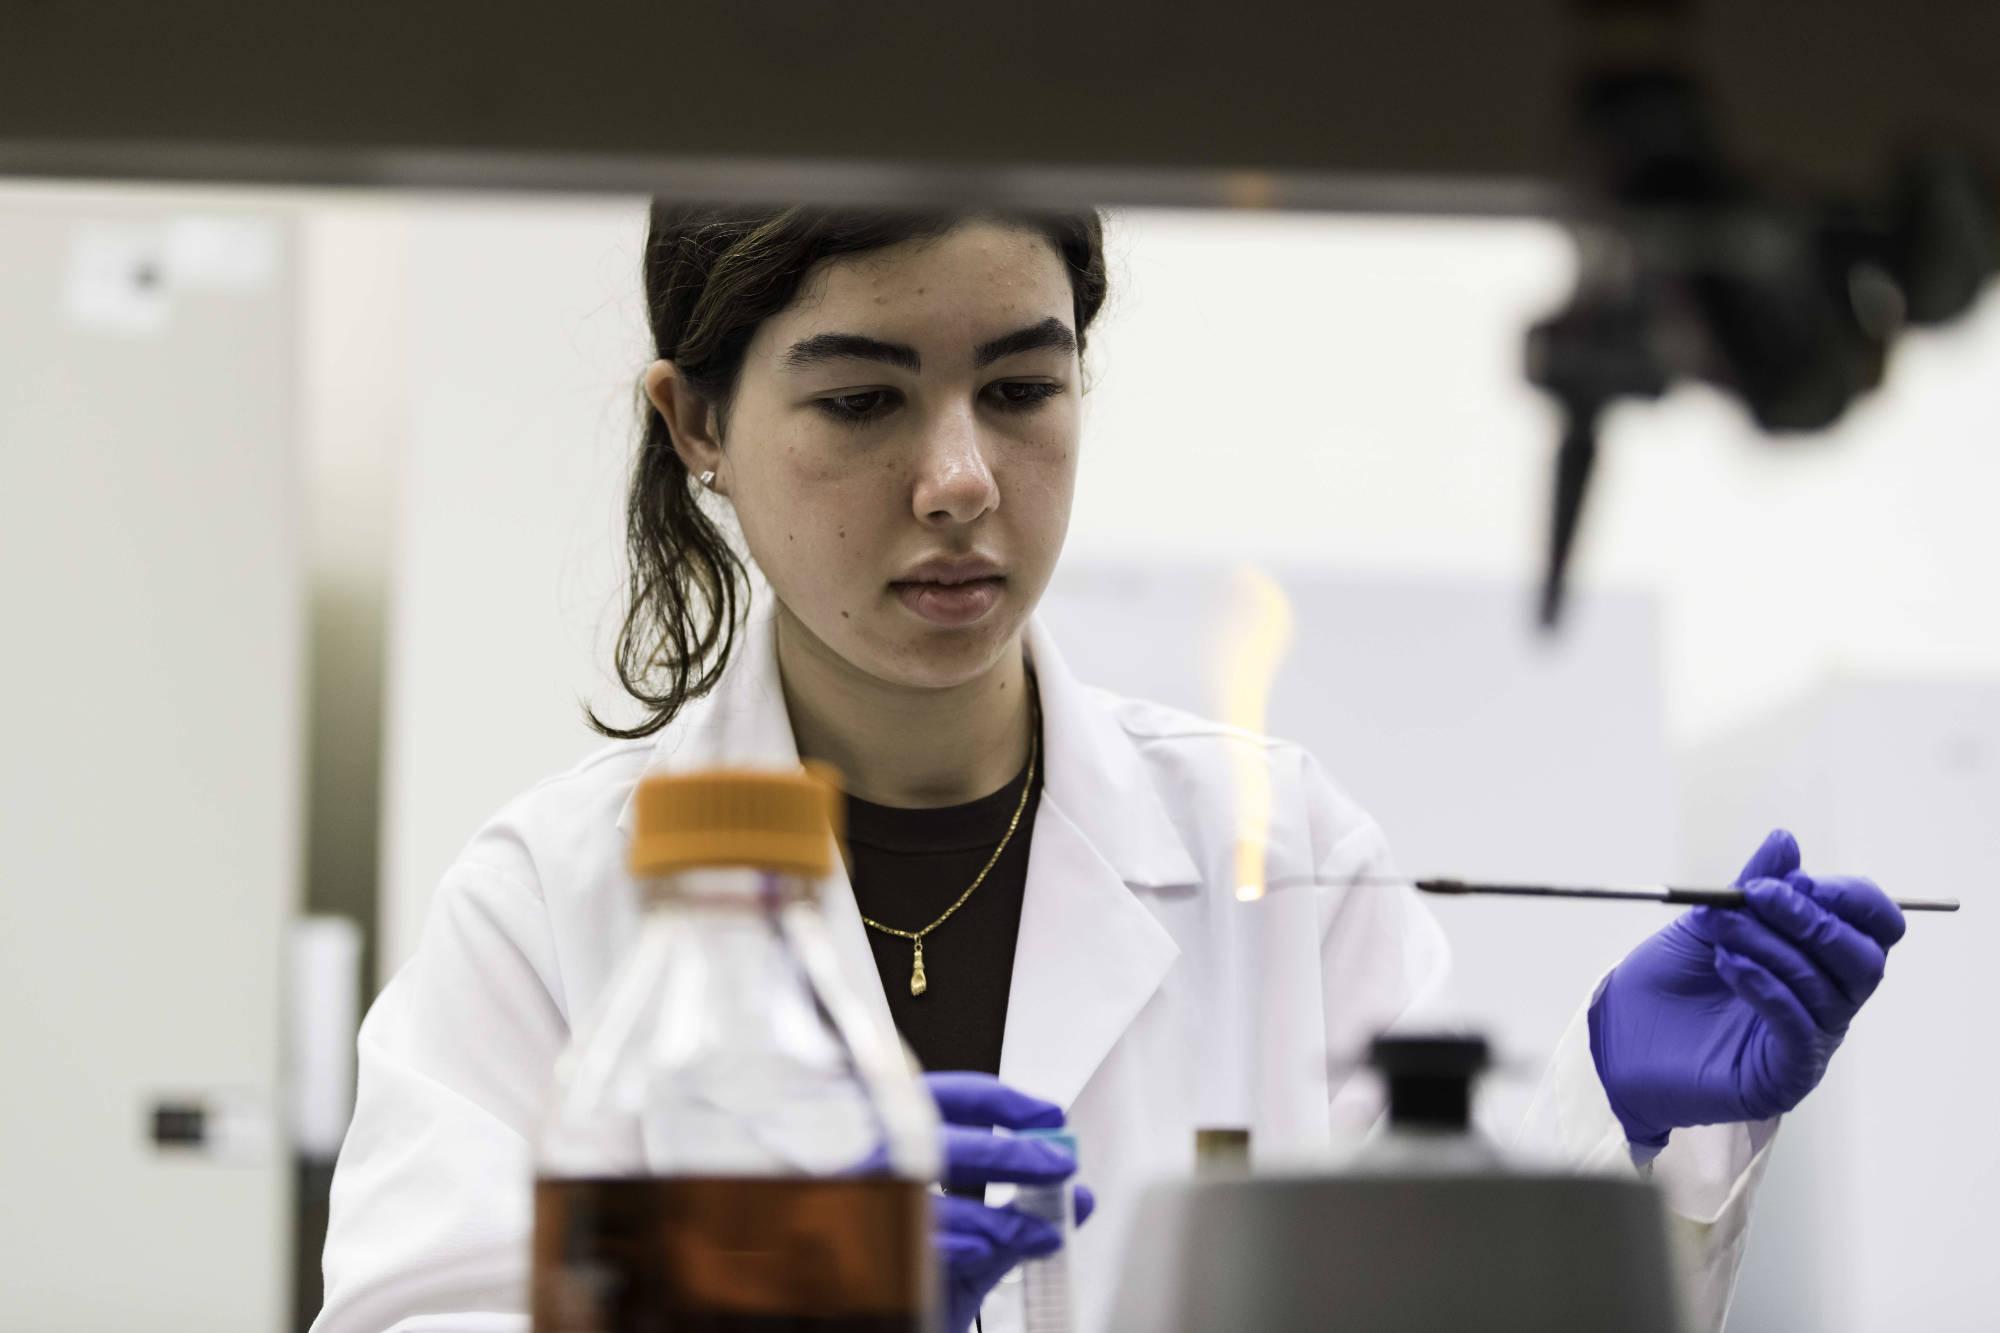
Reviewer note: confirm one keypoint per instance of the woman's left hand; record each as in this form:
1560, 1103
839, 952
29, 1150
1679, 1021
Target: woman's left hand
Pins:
1731, 1014
979, 1244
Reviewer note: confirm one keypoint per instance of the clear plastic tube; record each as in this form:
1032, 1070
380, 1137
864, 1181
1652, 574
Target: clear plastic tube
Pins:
1046, 1302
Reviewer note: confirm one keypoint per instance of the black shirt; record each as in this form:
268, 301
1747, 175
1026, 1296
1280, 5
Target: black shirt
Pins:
908, 867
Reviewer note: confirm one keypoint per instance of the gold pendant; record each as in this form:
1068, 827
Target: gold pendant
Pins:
917, 983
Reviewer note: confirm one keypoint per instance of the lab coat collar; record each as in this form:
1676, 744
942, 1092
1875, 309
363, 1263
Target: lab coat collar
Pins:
1089, 954
1092, 770
1097, 778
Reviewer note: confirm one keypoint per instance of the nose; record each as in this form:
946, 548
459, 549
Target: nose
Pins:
955, 482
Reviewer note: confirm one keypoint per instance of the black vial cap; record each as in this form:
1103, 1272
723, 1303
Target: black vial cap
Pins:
1430, 1078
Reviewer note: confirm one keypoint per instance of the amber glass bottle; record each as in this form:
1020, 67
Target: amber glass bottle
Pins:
735, 1145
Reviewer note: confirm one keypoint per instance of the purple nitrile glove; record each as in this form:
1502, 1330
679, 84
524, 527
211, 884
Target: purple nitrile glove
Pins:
1731, 1014
978, 1244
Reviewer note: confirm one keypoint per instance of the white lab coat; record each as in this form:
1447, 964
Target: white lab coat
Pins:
1146, 999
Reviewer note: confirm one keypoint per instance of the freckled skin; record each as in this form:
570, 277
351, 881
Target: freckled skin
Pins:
948, 470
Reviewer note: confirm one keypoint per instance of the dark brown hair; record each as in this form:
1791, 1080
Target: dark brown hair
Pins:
713, 275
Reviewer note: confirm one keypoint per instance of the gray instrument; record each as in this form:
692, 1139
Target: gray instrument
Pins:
1428, 1231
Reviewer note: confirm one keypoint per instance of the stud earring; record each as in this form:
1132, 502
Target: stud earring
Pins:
708, 480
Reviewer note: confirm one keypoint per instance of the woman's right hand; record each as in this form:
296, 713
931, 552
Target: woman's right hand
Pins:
978, 1244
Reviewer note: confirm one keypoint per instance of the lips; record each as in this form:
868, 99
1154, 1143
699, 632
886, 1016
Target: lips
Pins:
953, 570
952, 605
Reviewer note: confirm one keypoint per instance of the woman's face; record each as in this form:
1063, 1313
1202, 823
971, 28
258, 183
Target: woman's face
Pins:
915, 405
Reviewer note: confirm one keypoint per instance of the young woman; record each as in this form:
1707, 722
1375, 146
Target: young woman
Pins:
887, 410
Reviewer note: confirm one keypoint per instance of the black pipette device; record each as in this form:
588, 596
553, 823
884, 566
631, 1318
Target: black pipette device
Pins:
1641, 893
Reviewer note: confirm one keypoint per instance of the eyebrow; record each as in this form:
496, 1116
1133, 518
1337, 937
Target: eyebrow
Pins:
820, 347
1050, 333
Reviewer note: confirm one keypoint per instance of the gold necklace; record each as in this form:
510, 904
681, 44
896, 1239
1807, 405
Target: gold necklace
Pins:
918, 983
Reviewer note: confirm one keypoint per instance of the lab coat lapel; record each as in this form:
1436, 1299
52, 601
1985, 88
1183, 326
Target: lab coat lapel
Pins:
1090, 954
743, 723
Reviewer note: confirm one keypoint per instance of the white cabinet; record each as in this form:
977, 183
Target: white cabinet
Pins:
150, 756
1484, 750
1876, 1212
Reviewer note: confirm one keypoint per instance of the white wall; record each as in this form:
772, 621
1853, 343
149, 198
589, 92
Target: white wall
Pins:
1350, 391
1876, 1212
524, 341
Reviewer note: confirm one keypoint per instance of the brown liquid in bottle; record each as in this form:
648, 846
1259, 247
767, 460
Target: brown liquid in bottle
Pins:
731, 1255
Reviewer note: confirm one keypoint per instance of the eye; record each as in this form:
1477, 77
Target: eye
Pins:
1024, 395
856, 408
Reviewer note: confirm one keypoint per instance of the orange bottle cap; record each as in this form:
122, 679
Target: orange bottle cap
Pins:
783, 821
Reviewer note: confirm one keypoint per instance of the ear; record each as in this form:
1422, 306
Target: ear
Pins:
690, 419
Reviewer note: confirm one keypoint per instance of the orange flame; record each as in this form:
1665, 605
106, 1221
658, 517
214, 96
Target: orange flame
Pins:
1257, 635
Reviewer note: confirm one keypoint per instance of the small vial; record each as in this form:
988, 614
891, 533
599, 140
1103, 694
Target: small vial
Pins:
1220, 1151
1046, 1303
1430, 1130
